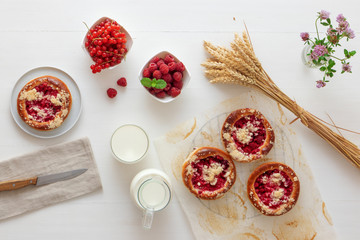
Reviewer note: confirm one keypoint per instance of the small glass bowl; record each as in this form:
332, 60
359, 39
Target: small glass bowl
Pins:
129, 144
185, 79
129, 40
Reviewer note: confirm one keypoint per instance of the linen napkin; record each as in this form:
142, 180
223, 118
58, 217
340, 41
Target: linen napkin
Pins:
54, 159
233, 216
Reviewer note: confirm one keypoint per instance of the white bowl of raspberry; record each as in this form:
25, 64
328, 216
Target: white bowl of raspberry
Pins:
164, 77
106, 42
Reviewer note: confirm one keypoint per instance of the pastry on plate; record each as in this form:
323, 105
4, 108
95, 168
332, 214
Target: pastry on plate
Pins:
247, 135
44, 103
273, 188
208, 173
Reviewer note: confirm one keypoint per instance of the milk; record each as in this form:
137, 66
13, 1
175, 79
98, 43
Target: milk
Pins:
129, 143
154, 195
151, 192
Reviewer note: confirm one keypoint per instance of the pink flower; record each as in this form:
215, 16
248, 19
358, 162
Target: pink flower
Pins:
340, 18
342, 27
324, 14
331, 31
349, 33
304, 36
346, 67
319, 50
320, 84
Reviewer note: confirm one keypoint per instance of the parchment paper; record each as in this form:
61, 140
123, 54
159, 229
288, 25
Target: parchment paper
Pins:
233, 216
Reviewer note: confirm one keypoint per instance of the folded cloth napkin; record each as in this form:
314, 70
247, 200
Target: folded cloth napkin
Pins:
55, 159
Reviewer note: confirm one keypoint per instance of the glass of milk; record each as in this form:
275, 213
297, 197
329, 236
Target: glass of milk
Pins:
129, 143
151, 191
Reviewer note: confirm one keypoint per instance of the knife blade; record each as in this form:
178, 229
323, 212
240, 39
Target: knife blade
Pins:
40, 180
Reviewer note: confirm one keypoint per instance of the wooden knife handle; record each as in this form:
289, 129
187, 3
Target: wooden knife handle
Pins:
16, 184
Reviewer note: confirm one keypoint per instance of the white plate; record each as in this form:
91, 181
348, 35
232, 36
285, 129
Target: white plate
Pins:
75, 111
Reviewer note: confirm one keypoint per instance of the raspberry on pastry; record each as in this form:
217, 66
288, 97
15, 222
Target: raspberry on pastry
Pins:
44, 103
208, 173
273, 188
247, 135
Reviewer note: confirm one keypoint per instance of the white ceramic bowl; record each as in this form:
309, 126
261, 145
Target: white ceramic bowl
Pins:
128, 44
185, 79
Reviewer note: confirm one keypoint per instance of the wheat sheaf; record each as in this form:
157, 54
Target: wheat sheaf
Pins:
239, 65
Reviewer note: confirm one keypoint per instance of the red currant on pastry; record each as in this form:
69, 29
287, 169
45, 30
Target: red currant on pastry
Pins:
208, 173
273, 188
247, 135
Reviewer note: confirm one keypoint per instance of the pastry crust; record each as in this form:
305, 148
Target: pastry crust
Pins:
284, 194
256, 135
208, 173
44, 103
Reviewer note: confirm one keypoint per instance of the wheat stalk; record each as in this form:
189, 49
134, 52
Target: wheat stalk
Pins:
239, 65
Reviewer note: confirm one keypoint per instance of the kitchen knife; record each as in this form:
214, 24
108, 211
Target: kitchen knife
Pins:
40, 180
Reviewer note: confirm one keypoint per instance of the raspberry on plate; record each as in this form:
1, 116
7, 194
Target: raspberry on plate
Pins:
157, 74
180, 67
164, 69
177, 76
174, 92
168, 58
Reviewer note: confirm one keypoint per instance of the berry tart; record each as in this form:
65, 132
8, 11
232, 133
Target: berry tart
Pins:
44, 103
247, 135
273, 188
208, 173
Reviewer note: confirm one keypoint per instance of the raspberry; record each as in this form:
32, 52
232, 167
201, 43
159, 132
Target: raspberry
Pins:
174, 92
122, 82
157, 74
180, 67
177, 76
161, 94
168, 58
157, 90
155, 59
167, 78
168, 86
164, 69
160, 62
111, 92
146, 73
172, 66
178, 84
152, 67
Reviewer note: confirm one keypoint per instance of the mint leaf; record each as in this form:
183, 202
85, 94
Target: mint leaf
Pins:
146, 82
160, 84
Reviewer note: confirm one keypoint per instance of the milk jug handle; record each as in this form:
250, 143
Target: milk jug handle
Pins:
148, 218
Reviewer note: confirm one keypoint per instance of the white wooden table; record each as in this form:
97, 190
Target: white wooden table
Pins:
49, 33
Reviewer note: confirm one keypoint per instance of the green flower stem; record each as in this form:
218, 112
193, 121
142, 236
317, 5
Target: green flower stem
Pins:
338, 58
317, 31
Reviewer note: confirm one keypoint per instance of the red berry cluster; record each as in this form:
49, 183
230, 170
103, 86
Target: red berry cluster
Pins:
111, 92
106, 45
168, 70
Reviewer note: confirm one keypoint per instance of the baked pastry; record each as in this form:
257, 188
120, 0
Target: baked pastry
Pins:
247, 135
208, 173
273, 188
44, 103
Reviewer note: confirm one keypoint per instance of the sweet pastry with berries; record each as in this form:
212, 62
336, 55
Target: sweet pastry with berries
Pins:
208, 173
273, 188
247, 135
44, 103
